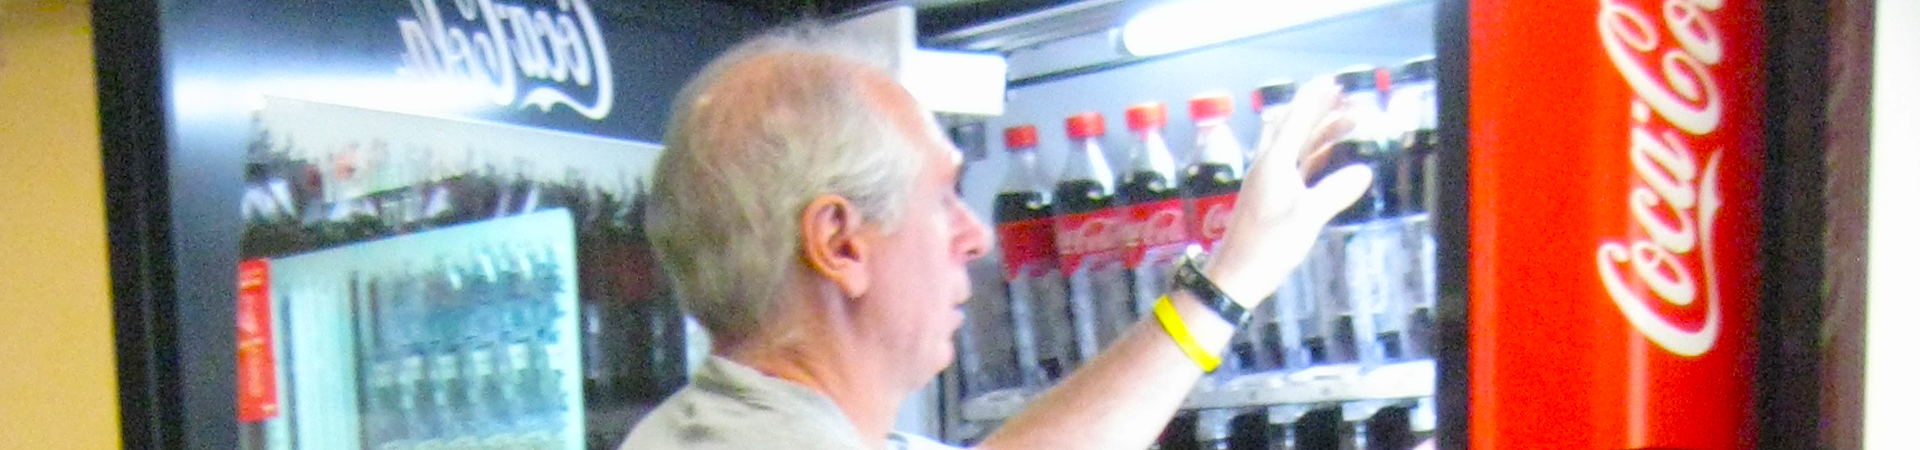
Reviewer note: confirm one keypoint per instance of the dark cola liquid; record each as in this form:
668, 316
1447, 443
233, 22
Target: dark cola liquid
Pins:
1146, 187
1374, 200
1208, 179
1390, 428
1178, 435
1078, 196
1250, 431
1319, 430
1010, 207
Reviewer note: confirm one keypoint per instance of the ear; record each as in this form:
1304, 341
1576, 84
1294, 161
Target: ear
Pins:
836, 245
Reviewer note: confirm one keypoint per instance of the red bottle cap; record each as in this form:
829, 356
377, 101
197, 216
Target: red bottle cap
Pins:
1146, 116
1086, 125
1021, 137
1210, 106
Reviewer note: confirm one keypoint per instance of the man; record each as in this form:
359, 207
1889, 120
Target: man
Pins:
805, 212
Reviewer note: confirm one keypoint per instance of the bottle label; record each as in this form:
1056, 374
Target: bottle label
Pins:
1209, 220
1093, 238
1027, 247
1155, 233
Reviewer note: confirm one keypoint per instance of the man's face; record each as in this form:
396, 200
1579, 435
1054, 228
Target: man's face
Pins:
920, 274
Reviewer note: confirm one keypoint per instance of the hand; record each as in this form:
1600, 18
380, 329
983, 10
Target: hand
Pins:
1277, 217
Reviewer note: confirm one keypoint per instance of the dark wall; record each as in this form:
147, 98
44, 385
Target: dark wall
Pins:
175, 265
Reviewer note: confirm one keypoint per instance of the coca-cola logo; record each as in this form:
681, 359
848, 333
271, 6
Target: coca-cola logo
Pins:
1163, 225
1213, 221
1674, 198
509, 45
1091, 235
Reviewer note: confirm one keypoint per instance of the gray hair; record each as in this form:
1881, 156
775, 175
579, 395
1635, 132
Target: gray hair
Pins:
740, 165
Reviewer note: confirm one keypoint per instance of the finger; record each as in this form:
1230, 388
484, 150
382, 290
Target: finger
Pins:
1315, 162
1334, 193
1335, 127
1270, 121
1316, 99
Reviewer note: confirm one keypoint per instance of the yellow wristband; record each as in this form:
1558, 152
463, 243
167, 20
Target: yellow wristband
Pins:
1177, 329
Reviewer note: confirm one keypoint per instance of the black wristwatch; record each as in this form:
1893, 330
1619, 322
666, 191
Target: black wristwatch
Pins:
1187, 277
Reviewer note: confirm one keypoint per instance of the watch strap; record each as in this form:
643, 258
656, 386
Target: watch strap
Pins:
1188, 277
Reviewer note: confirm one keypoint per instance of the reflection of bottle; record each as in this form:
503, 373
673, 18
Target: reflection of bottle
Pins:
1036, 292
407, 317
1088, 230
374, 415
481, 297
441, 365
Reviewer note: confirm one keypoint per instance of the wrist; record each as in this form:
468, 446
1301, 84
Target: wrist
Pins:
1233, 283
1207, 327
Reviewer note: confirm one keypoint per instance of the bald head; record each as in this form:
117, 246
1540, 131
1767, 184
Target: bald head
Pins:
763, 130
784, 90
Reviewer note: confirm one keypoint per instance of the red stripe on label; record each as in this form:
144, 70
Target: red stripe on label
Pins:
254, 342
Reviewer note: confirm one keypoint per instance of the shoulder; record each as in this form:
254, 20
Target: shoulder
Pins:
696, 420
904, 441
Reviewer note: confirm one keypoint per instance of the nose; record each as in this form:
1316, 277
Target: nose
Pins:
975, 237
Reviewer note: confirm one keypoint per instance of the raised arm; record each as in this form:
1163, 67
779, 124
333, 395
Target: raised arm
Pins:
1125, 396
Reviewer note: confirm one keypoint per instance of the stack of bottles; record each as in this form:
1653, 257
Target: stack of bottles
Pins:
1085, 252
461, 354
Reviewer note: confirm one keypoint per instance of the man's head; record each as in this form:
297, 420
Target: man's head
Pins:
796, 170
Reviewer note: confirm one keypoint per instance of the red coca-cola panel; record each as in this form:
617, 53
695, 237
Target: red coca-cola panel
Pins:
258, 396
1210, 215
1155, 226
1096, 237
1614, 194
1026, 245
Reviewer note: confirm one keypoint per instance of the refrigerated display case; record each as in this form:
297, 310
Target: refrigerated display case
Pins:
1564, 248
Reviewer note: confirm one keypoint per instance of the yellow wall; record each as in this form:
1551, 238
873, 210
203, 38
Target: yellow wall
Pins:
56, 343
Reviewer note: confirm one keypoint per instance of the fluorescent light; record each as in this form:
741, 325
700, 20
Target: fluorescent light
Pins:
1185, 24
955, 82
